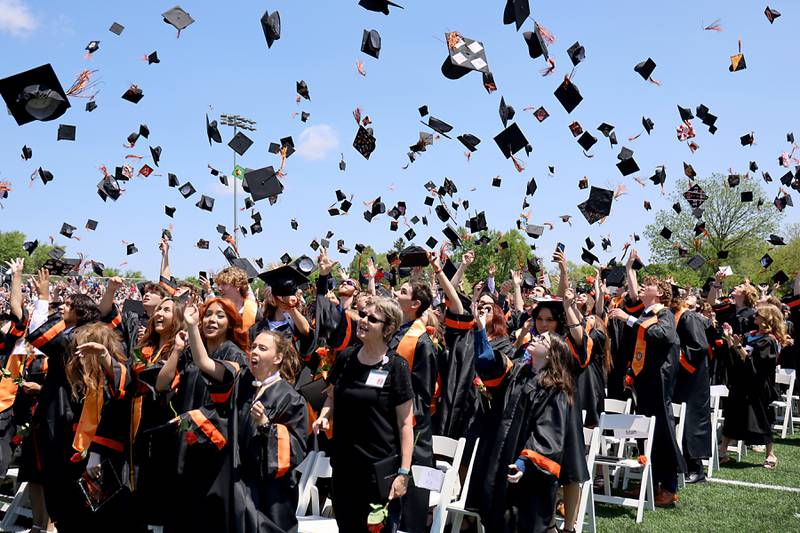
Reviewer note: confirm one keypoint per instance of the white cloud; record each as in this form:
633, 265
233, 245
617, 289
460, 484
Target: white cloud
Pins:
16, 18
318, 142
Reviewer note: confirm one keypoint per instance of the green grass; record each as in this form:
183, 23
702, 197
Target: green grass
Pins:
717, 507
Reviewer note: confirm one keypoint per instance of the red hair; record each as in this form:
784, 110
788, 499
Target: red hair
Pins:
498, 326
235, 332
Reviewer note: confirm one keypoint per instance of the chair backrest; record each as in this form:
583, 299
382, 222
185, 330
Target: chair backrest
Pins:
679, 413
305, 469
446, 447
720, 391
628, 426
785, 376
322, 467
617, 406
463, 496
592, 436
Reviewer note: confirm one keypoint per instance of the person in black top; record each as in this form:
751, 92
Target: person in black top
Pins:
370, 404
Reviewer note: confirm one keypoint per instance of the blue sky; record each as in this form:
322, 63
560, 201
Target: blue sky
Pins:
221, 64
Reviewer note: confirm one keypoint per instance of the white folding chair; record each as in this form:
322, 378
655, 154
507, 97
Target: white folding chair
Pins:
613, 406
305, 469
586, 504
679, 413
15, 506
453, 451
783, 407
457, 508
713, 462
736, 446
316, 522
628, 427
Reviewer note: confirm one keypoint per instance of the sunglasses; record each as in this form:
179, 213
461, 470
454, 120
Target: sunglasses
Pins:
349, 282
486, 309
372, 319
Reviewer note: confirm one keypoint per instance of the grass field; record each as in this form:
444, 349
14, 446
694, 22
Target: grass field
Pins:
720, 507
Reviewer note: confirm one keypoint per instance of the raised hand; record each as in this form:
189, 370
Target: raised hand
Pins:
516, 278
325, 264
372, 270
258, 414
16, 266
91, 349
42, 283
164, 246
433, 259
191, 316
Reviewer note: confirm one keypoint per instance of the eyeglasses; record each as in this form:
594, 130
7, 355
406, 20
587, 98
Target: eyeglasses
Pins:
372, 319
486, 309
349, 282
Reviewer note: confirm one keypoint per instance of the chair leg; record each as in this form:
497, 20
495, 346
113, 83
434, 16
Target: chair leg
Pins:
642, 494
456, 525
606, 486
592, 519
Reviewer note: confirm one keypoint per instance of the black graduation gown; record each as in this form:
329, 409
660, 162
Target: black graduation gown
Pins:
748, 415
423, 383
527, 421
790, 355
459, 401
30, 467
198, 465
654, 387
589, 382
127, 324
692, 385
9, 392
623, 340
255, 490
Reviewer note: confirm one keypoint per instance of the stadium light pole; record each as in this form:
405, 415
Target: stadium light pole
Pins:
236, 121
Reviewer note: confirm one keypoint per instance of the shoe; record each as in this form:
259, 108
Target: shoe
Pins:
665, 498
695, 477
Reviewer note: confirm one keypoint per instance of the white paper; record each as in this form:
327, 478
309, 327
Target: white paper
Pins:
427, 478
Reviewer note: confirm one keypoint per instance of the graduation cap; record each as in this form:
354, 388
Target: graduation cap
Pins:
464, 56
302, 89
153, 58
284, 280
685, 113
689, 171
240, 143
598, 205
187, 189
776, 240
659, 177
790, 137
575, 128
206, 203
583, 183
677, 207
587, 140
478, 223
212, 130
753, 166
734, 180
780, 277
271, 24
379, 6
747, 196
108, 187
413, 256
648, 125
155, 152
178, 18
66, 132
696, 262
262, 183
511, 140
737, 61
131, 249
588, 257
747, 139
627, 165
516, 12
439, 126
537, 44
371, 43
645, 68
116, 28
722, 254
605, 129
614, 277
766, 260
771, 14
134, 94
169, 211
67, 230
91, 105
576, 53
365, 141
30, 246
541, 114
452, 235
470, 141
27, 152
568, 94
506, 112
530, 189
35, 94
533, 231
666, 233
91, 224
202, 244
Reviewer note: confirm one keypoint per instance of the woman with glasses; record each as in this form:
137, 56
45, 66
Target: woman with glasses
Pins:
369, 405
754, 355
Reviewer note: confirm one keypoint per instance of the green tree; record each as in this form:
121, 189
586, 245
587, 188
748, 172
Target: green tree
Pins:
111, 272
732, 226
11, 247
399, 244
505, 257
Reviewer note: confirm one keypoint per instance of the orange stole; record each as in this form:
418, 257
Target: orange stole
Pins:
90, 419
639, 352
682, 358
408, 344
8, 389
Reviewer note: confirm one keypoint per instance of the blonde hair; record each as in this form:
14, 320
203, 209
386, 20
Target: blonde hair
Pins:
235, 277
392, 315
85, 374
772, 322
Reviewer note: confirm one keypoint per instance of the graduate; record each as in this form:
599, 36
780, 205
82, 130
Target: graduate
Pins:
130, 323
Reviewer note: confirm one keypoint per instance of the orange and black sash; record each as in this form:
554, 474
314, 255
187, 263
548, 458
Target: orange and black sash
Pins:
408, 344
588, 346
684, 361
640, 351
8, 386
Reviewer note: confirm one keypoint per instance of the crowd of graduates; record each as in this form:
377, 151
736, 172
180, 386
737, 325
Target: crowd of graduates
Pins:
190, 408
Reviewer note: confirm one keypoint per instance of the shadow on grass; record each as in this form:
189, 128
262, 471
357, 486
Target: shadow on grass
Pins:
788, 442
735, 465
606, 510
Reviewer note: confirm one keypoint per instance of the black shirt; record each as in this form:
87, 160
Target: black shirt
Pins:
365, 418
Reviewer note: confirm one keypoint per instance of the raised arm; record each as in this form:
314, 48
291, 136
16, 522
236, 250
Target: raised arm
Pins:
630, 273
41, 281
164, 247
716, 288
199, 353
599, 294
372, 271
573, 316
516, 279
16, 266
167, 373
107, 301
466, 261
563, 277
454, 304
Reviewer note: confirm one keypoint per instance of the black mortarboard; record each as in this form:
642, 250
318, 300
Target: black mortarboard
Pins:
530, 189
666, 232
734, 180
284, 280
737, 62
271, 24
511, 140
155, 152
91, 224
30, 246
627, 165
116, 28
787, 179
747, 196
516, 12
108, 187
206, 203
583, 183
470, 141
35, 94
371, 43
153, 58
568, 94
302, 89
659, 177
478, 223
27, 152
534, 231
677, 207
379, 6
202, 244
605, 128
537, 45
66, 132
439, 126
67, 230
240, 143
364, 142
685, 113
212, 130
506, 112
766, 260
452, 235
645, 68
587, 140
575, 128
776, 240
790, 137
753, 166
689, 171
464, 56
263, 183
413, 256
169, 211
615, 277
172, 180
648, 124
780, 277
187, 189
588, 257
131, 249
696, 262
771, 14
178, 18
133, 94
589, 243
577, 53
600, 201
747, 140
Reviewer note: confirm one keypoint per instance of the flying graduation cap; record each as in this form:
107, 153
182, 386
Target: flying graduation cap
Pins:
379, 6
271, 24
212, 130
516, 12
464, 56
178, 18
371, 43
35, 94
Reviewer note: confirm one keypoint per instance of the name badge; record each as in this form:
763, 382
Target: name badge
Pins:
377, 378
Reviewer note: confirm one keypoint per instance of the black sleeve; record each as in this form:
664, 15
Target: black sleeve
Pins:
338, 367
401, 390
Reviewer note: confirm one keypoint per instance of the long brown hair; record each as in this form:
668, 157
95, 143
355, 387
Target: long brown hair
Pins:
290, 360
152, 339
556, 373
772, 322
498, 327
85, 374
235, 332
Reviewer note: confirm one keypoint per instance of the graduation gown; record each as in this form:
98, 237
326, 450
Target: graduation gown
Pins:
459, 401
748, 415
623, 340
15, 365
692, 385
255, 490
589, 380
527, 422
413, 343
655, 384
